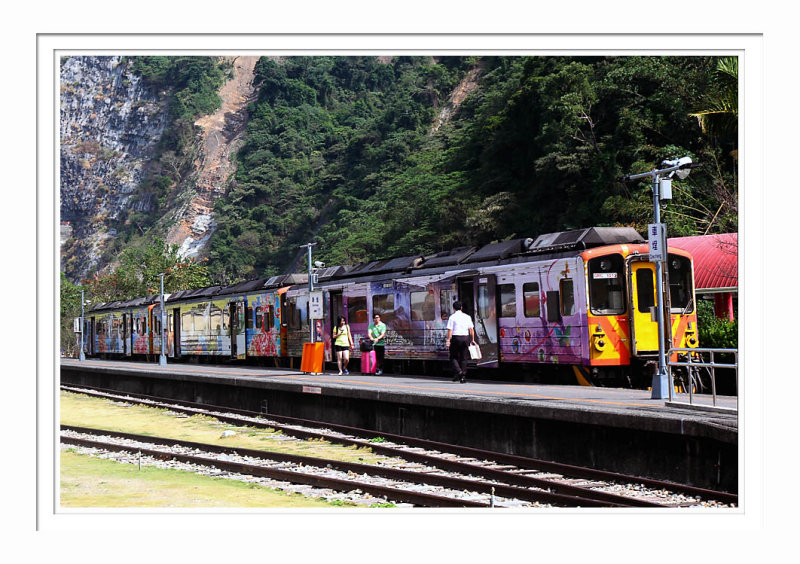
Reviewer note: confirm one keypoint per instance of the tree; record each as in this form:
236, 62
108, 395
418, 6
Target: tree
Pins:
70, 309
138, 274
720, 118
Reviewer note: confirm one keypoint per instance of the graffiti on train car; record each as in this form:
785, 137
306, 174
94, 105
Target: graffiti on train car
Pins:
109, 334
205, 328
263, 325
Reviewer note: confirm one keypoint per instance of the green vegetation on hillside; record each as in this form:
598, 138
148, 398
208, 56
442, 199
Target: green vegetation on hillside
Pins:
340, 150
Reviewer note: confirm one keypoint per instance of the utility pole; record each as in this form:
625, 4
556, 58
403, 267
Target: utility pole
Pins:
657, 233
310, 289
162, 358
81, 355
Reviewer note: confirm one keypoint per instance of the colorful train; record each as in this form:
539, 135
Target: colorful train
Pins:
577, 305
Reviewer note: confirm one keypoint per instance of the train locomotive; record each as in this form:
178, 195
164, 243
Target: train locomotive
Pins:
574, 306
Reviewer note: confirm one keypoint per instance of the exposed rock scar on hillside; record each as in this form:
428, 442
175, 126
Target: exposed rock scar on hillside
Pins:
220, 138
458, 96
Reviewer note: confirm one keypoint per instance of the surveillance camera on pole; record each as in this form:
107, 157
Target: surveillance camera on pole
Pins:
662, 190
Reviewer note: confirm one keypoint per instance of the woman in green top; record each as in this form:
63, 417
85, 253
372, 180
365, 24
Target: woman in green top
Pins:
377, 332
342, 343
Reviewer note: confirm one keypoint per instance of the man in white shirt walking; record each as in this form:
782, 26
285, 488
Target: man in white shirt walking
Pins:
460, 335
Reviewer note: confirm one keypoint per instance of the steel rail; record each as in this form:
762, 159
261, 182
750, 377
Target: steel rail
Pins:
425, 500
514, 479
391, 473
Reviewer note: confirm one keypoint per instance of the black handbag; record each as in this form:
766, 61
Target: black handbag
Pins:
366, 345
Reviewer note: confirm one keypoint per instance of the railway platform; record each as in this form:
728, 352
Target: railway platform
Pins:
613, 429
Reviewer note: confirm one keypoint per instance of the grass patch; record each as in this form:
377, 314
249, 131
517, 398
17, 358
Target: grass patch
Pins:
94, 482
88, 481
86, 411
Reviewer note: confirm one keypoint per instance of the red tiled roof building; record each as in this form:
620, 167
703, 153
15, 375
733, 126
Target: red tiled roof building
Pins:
716, 268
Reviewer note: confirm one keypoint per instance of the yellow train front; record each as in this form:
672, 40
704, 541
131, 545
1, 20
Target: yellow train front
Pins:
622, 313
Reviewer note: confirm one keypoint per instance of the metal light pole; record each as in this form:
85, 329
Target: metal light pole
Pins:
310, 289
680, 167
162, 358
81, 355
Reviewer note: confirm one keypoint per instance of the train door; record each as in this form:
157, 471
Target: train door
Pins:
336, 309
126, 340
644, 327
466, 295
238, 327
89, 341
175, 324
283, 330
170, 337
149, 330
478, 296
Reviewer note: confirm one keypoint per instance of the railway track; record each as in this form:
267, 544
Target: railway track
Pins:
325, 473
488, 474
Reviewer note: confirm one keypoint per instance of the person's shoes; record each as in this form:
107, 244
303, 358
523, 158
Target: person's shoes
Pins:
463, 379
456, 377
347, 372
340, 373
379, 372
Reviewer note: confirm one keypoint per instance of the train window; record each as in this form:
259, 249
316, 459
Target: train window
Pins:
215, 319
259, 316
187, 323
567, 297
508, 300
483, 302
294, 315
241, 312
423, 306
446, 303
680, 284
553, 307
606, 294
384, 305
645, 289
530, 296
199, 321
357, 309
249, 317
269, 319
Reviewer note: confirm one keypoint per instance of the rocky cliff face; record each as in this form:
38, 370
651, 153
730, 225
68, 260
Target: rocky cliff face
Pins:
219, 136
110, 126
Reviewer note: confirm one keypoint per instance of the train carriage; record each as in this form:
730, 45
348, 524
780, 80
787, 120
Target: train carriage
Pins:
580, 303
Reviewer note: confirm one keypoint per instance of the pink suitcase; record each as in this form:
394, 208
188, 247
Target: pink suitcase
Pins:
368, 362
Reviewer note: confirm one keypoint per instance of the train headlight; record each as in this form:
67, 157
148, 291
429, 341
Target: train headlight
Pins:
600, 345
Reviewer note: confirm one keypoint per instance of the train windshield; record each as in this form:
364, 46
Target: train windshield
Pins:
606, 287
680, 284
